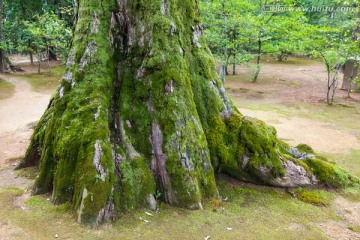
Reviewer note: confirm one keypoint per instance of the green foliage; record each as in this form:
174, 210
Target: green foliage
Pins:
47, 32
52, 18
238, 28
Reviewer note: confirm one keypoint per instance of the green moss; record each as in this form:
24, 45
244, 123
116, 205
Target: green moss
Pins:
6, 89
305, 148
135, 186
44, 82
261, 144
30, 172
354, 228
315, 197
331, 175
13, 191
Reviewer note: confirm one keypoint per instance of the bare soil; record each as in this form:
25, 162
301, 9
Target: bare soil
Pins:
296, 80
350, 212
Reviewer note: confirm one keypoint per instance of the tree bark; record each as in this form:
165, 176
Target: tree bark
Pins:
352, 65
350, 72
31, 58
141, 110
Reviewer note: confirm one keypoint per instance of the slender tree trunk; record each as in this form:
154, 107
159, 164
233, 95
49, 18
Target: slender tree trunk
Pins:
141, 110
258, 60
39, 61
328, 86
222, 73
48, 59
31, 58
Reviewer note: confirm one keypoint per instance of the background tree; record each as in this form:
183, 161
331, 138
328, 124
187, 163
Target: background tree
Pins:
140, 109
242, 31
18, 13
48, 34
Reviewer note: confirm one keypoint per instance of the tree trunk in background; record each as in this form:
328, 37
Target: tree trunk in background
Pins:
258, 59
31, 58
351, 67
141, 110
351, 72
52, 54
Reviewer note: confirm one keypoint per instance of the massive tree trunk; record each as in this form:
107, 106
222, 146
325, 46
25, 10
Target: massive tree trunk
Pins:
141, 110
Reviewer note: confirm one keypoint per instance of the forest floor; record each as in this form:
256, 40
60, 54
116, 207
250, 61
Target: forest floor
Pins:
288, 95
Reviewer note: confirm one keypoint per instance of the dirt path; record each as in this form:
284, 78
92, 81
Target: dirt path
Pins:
24, 107
323, 137
350, 212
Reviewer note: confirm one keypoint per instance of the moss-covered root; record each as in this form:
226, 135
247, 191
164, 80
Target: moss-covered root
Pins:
261, 158
265, 159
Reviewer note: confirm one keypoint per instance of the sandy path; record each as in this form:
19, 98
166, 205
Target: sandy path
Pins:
24, 107
323, 137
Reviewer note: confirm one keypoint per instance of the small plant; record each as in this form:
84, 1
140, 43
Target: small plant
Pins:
217, 203
98, 178
157, 195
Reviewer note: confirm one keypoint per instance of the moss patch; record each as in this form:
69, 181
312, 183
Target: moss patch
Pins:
316, 197
305, 148
253, 212
6, 89
30, 172
354, 228
44, 82
331, 175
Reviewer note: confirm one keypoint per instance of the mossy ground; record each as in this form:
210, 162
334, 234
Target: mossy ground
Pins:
6, 89
252, 212
315, 197
45, 81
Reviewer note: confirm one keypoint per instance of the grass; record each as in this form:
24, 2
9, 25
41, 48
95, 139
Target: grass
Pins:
44, 81
353, 194
251, 212
6, 89
355, 228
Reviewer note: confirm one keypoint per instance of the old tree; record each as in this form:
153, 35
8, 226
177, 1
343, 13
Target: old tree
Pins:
140, 110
